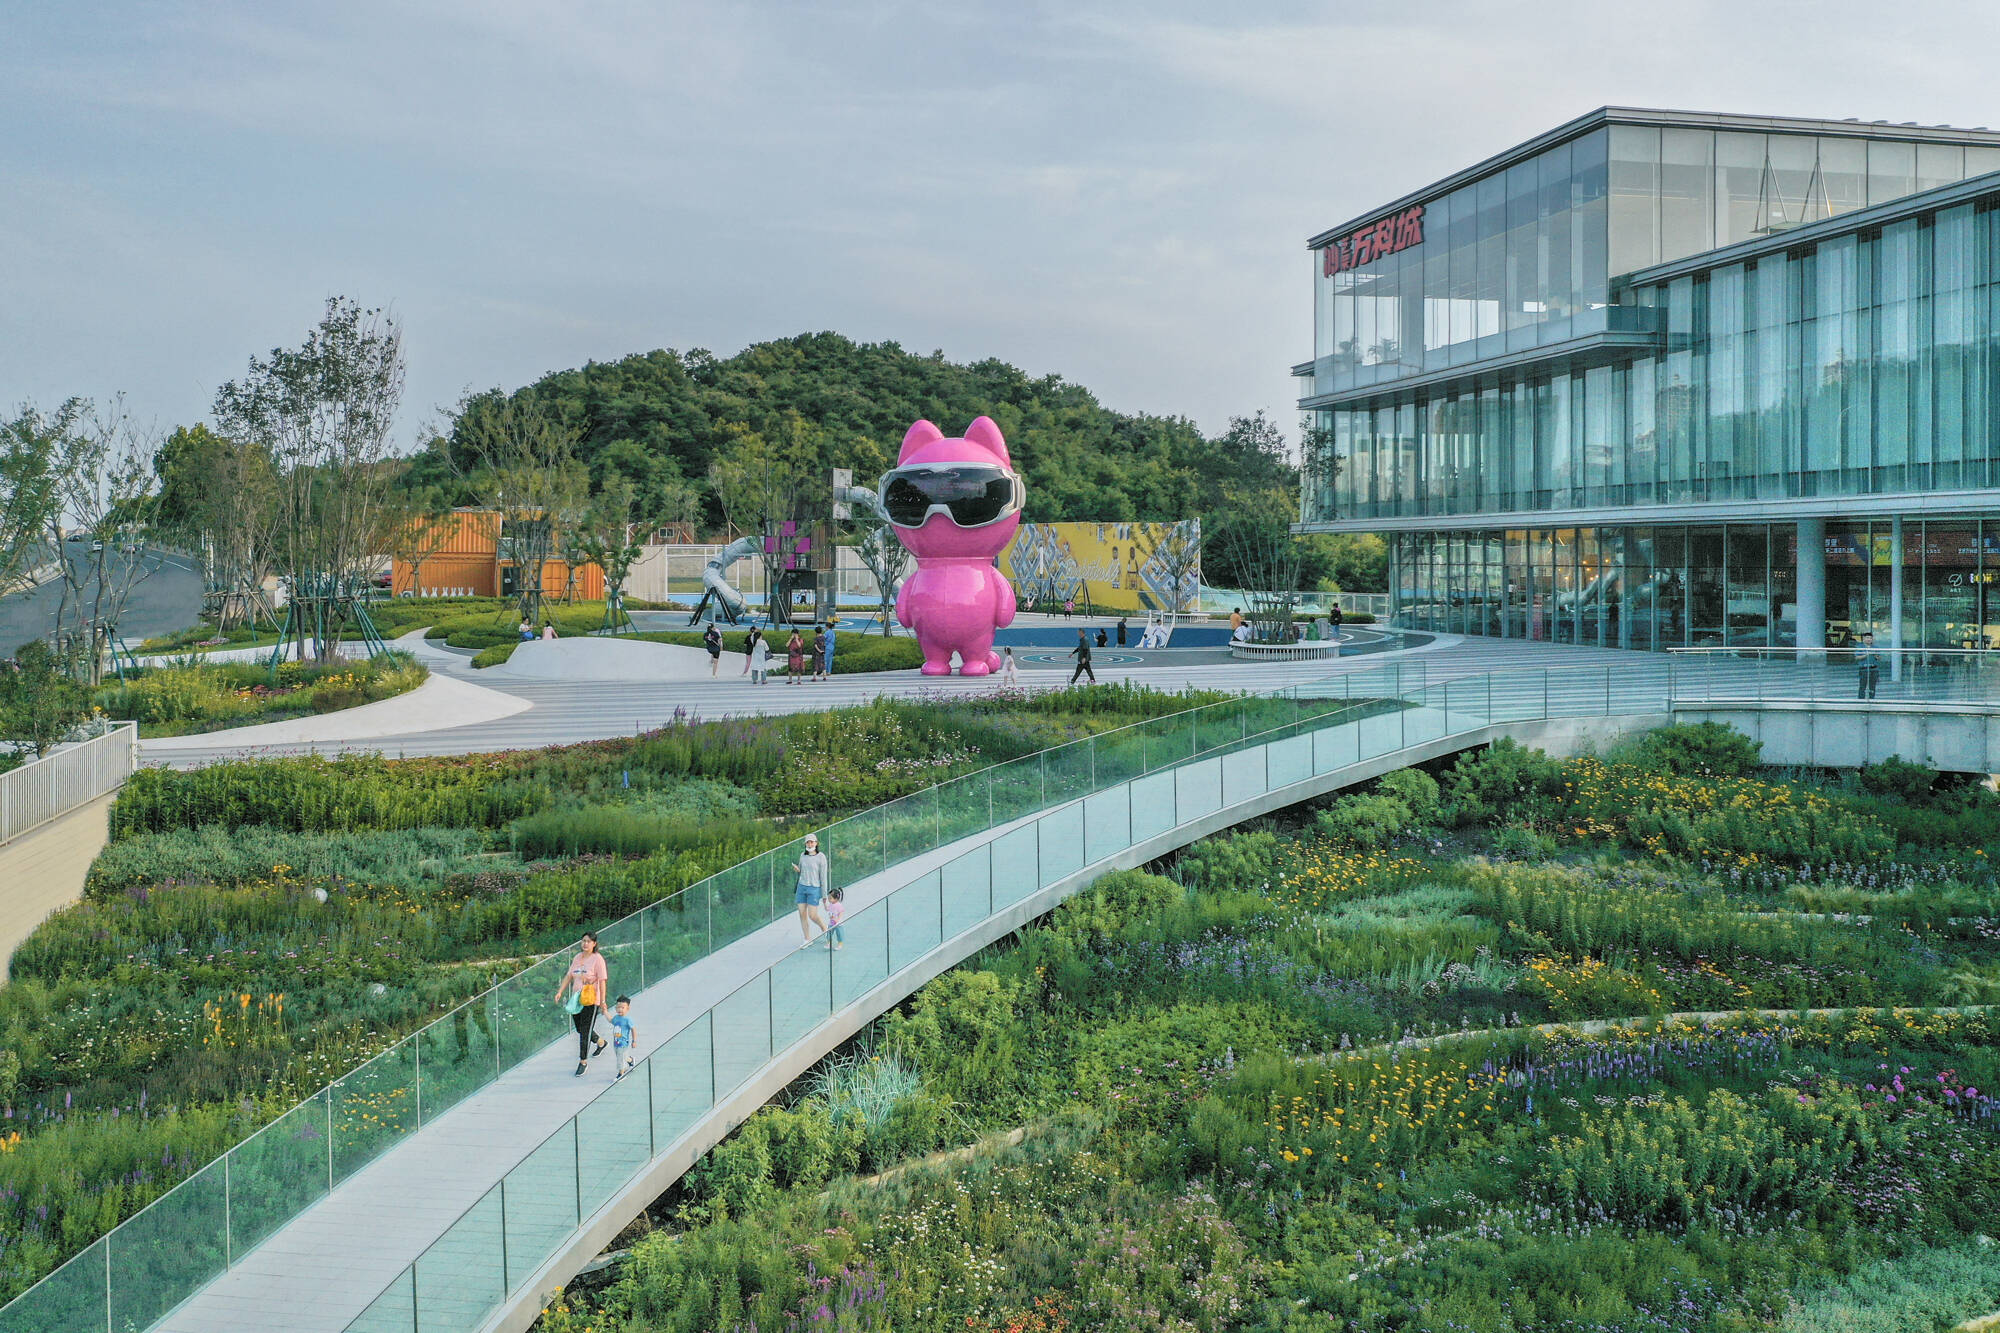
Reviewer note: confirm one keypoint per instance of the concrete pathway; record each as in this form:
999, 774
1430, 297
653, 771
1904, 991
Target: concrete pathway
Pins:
563, 712
322, 1270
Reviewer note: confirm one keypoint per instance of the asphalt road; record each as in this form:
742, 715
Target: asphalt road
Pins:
167, 597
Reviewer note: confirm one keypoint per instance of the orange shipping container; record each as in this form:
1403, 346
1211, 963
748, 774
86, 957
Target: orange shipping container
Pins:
480, 574
472, 532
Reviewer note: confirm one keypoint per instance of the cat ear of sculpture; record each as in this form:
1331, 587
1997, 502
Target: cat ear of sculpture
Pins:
916, 437
986, 434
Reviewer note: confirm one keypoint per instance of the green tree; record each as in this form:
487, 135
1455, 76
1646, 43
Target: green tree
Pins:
521, 457
39, 702
655, 414
218, 500
104, 480
30, 485
322, 412
611, 535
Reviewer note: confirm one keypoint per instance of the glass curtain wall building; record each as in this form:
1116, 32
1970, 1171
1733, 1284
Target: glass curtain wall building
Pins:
1611, 386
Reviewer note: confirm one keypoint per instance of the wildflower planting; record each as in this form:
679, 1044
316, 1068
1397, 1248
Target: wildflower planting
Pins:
256, 930
1649, 1042
190, 696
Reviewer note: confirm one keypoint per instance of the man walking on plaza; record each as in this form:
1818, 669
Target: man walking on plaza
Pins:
1868, 668
1082, 655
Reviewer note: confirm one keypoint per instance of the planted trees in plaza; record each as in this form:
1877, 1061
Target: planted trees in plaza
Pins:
611, 536
218, 501
764, 483
1267, 560
322, 412
888, 560
1178, 555
518, 456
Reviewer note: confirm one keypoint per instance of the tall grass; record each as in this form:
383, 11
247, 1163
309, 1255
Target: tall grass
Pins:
621, 831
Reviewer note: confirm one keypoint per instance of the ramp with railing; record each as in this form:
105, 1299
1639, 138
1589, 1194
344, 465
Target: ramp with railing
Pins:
451, 1181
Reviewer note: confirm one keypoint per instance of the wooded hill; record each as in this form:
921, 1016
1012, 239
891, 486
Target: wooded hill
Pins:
662, 417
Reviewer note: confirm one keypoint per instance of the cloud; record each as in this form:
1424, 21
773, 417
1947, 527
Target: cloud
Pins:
1119, 192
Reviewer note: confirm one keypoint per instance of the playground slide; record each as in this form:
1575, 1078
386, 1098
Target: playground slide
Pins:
731, 601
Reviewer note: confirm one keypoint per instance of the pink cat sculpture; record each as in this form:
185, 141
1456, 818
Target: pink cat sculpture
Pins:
955, 503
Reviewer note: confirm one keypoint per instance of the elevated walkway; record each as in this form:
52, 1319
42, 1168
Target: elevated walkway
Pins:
450, 1183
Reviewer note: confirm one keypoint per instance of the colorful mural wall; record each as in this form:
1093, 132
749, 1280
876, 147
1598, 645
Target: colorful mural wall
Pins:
1122, 566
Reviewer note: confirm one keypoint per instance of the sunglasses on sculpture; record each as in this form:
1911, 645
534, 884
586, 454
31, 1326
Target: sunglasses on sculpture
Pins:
972, 495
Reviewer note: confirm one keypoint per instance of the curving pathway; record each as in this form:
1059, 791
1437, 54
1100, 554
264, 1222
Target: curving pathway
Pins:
464, 1223
560, 712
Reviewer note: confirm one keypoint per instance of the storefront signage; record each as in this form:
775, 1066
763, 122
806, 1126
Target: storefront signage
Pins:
1398, 232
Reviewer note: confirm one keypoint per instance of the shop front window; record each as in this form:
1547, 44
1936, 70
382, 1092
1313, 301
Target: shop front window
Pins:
1748, 613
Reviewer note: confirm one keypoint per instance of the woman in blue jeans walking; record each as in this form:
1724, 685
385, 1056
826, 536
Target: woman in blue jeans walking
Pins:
814, 874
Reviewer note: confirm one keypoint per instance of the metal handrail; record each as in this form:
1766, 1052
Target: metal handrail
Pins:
463, 1012
44, 790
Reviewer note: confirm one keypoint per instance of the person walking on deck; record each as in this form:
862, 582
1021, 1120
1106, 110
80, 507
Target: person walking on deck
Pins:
814, 874
588, 978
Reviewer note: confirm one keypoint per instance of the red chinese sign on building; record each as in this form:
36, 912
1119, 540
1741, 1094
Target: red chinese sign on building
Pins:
1386, 237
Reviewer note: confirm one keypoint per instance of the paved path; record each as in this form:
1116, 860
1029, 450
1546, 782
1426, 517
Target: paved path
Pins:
322, 1270
563, 712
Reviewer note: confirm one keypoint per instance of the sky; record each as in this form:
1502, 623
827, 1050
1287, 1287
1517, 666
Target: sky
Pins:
1116, 193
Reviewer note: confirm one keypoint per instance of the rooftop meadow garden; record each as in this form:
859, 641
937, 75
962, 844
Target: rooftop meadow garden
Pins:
186, 695
257, 929
1659, 1041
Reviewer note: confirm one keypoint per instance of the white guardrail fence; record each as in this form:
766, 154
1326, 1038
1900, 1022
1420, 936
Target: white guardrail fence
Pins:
48, 788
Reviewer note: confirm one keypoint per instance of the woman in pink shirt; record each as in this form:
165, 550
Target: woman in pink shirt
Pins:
592, 980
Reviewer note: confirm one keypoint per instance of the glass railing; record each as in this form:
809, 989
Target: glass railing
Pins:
1853, 673
135, 1274
1222, 757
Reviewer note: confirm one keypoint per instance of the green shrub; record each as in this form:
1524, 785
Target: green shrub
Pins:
1918, 1292
620, 830
192, 697
219, 854
1116, 901
1518, 843
1246, 860
1898, 779
1372, 820
315, 795
1506, 780
1698, 749
1416, 789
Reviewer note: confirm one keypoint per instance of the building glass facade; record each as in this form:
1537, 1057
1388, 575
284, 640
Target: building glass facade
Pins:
1699, 341
1524, 256
1731, 585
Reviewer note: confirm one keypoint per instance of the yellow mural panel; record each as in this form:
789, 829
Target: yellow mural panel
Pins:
1119, 566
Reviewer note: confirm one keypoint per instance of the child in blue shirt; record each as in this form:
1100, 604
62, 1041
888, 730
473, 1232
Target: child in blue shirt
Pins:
624, 1038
